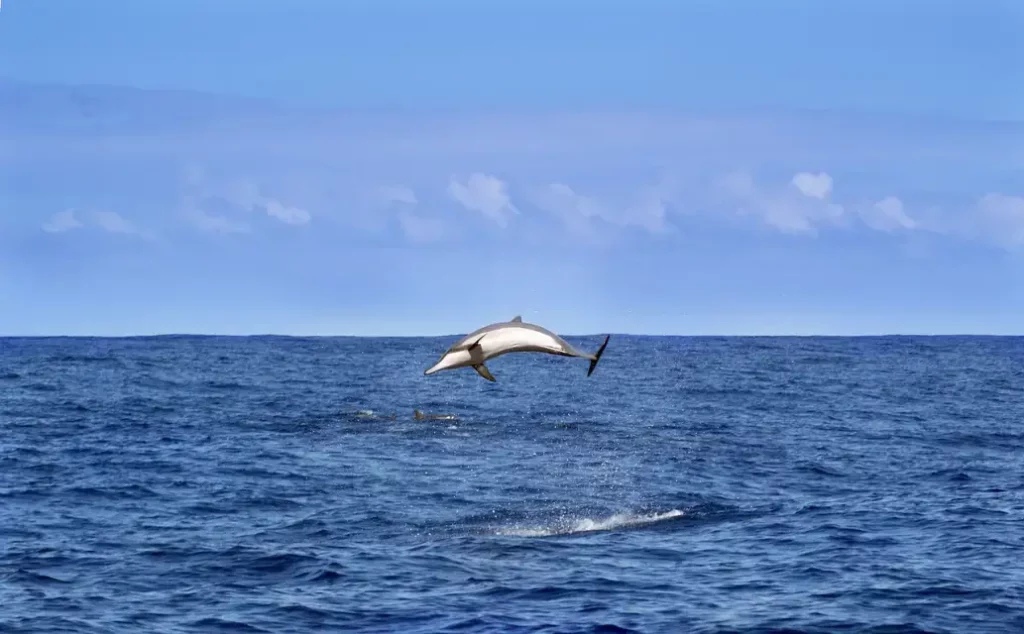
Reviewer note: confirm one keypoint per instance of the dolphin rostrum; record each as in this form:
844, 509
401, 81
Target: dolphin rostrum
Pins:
494, 340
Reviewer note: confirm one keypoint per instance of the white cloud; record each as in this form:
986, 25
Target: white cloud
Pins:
788, 216
577, 212
109, 221
246, 194
213, 223
485, 194
802, 209
243, 194
62, 221
813, 185
887, 214
286, 213
420, 229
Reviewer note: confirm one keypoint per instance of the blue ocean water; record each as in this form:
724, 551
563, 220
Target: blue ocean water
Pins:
203, 484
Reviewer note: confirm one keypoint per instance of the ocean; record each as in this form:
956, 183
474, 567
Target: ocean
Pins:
275, 484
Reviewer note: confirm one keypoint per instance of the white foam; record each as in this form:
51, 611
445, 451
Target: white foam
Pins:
569, 526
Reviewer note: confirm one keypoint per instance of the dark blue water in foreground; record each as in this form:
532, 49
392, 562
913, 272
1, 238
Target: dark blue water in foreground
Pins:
689, 485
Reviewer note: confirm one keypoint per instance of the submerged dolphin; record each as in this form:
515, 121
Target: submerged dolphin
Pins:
497, 339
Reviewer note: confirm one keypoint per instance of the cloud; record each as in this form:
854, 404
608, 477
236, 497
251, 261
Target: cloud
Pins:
286, 213
485, 194
578, 213
109, 221
62, 221
245, 195
584, 170
813, 185
808, 205
213, 223
887, 215
800, 209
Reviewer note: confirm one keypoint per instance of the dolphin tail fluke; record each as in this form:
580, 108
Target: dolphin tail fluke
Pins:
597, 355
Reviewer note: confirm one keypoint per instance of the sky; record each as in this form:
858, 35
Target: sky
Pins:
389, 167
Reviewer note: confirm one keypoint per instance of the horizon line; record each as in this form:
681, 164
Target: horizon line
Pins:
268, 335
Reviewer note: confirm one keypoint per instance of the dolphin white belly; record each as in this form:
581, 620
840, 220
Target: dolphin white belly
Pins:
504, 340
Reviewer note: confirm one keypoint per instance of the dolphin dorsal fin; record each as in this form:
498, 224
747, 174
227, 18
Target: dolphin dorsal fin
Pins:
518, 319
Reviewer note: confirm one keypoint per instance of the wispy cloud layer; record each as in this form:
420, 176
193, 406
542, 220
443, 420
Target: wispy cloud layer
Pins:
594, 176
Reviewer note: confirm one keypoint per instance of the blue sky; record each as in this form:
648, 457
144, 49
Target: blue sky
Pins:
385, 167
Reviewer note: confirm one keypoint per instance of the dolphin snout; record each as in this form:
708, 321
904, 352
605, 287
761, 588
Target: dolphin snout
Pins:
437, 367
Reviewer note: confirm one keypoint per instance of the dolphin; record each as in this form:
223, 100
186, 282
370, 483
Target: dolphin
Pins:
500, 338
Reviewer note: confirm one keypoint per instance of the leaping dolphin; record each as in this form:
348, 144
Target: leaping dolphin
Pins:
494, 340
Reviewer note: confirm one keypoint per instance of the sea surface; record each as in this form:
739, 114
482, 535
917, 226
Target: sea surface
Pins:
270, 484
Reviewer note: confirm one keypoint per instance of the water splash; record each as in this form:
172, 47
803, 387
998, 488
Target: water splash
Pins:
574, 525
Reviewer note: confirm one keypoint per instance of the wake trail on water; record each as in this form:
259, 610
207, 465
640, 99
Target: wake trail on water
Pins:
573, 525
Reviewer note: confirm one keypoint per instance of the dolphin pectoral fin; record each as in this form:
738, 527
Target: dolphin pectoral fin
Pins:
518, 319
476, 344
482, 370
597, 355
